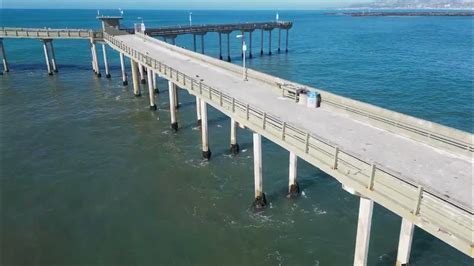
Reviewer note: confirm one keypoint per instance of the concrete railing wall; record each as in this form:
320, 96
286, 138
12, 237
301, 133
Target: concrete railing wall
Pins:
434, 213
436, 135
49, 33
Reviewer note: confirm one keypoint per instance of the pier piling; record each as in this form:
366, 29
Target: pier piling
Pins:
53, 56
261, 42
95, 59
4, 57
151, 90
228, 47
202, 43
293, 188
363, 231
404, 244
155, 83
122, 67
136, 82
234, 146
279, 39
176, 96
47, 57
220, 46
287, 31
198, 111
260, 200
206, 152
250, 44
172, 95
106, 62
194, 42
270, 42
142, 73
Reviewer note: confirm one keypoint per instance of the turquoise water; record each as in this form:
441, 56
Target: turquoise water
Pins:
90, 177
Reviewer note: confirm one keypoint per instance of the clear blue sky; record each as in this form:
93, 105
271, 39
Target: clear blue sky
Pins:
179, 4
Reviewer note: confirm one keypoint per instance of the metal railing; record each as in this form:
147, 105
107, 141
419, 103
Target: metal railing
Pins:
434, 213
184, 29
48, 33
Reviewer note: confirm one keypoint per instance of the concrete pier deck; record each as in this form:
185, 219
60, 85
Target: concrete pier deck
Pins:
427, 184
204, 28
415, 161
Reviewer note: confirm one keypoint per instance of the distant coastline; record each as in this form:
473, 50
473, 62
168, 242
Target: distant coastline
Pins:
410, 14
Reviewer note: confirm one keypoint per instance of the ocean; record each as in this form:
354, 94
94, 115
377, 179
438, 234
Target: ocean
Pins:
89, 176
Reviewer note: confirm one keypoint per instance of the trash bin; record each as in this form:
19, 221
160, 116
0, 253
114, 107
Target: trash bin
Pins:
312, 99
303, 97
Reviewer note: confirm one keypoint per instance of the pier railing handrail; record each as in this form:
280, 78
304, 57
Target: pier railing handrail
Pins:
448, 220
219, 27
39, 33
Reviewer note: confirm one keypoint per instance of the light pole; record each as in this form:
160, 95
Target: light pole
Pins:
190, 18
244, 49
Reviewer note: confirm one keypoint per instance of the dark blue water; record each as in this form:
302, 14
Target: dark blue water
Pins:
90, 177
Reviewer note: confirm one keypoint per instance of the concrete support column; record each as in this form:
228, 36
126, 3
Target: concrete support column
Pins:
202, 43
47, 58
172, 95
106, 61
96, 60
142, 73
293, 188
287, 31
155, 83
136, 82
151, 90
270, 42
234, 146
404, 244
4, 57
198, 111
260, 200
250, 44
53, 56
242, 44
206, 152
194, 42
122, 67
176, 96
279, 39
228, 47
93, 58
363, 231
220, 46
261, 42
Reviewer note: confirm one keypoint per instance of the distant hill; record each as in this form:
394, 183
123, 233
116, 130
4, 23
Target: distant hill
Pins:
418, 4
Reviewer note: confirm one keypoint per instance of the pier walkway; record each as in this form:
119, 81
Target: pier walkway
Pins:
425, 180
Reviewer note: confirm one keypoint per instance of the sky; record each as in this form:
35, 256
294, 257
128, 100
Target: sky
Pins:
179, 4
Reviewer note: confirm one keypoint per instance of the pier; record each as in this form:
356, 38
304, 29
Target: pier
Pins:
417, 169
